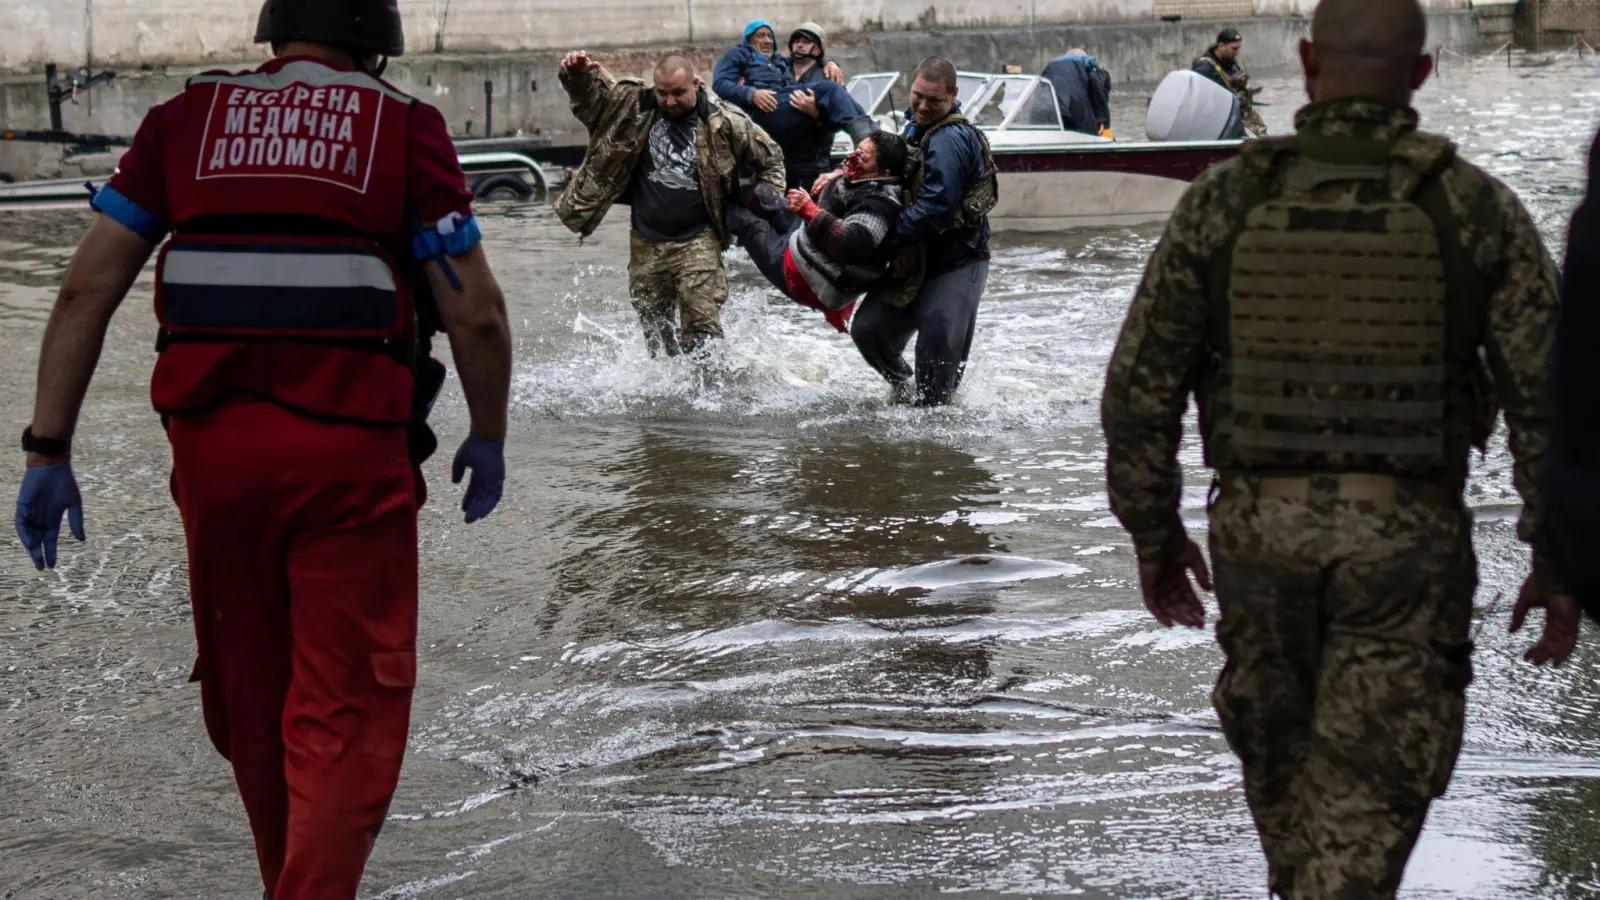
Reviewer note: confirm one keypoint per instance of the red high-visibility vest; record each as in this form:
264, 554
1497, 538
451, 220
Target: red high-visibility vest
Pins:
286, 189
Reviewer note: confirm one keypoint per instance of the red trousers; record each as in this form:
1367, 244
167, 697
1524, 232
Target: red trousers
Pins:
303, 574
800, 292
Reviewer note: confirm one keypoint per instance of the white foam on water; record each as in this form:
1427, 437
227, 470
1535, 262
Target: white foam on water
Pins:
969, 570
987, 740
1038, 356
770, 632
425, 885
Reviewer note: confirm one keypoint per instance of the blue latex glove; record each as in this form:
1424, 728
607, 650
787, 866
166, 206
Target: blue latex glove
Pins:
487, 460
47, 492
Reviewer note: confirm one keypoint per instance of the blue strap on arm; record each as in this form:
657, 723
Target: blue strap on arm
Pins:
128, 214
452, 236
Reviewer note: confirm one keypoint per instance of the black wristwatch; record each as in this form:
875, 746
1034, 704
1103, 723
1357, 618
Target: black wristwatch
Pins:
32, 443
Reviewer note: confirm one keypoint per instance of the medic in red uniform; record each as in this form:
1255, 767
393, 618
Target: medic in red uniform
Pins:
316, 225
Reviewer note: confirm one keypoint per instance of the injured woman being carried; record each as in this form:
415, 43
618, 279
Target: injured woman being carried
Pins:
826, 251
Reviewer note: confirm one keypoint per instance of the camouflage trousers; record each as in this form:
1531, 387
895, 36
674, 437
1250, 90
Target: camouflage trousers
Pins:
1345, 626
678, 290
1253, 123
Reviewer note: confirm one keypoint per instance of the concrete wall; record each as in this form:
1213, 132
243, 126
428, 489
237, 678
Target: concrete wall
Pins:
1497, 20
128, 33
1559, 24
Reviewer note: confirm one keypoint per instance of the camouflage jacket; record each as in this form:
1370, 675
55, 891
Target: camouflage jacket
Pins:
1163, 353
618, 115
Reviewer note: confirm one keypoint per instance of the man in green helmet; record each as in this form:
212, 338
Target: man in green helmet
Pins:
1333, 300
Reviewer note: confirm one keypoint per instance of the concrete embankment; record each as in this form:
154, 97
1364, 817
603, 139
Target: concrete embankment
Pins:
528, 99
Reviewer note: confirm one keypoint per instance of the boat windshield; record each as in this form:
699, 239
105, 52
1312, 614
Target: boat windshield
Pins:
968, 85
996, 103
869, 91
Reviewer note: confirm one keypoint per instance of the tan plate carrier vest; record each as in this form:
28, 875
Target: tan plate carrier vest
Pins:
909, 267
1346, 318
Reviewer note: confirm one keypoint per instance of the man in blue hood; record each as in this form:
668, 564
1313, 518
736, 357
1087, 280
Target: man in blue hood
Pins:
801, 117
1083, 92
753, 72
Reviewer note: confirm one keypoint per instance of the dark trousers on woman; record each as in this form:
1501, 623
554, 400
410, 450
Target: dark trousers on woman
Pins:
765, 236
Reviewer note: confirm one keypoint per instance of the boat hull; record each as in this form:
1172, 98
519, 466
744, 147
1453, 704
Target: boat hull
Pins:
1056, 201
1099, 185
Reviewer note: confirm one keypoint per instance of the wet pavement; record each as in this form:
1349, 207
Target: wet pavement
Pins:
752, 632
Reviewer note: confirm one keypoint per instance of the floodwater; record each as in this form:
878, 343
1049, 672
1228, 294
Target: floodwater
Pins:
755, 633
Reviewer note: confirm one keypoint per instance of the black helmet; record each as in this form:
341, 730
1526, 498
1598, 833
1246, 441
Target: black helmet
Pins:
372, 26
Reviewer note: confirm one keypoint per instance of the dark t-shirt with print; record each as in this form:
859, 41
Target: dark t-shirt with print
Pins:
667, 203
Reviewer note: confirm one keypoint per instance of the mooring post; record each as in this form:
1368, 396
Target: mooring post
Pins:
53, 93
488, 108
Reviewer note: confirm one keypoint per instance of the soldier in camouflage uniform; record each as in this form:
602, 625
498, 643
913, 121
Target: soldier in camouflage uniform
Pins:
675, 154
1220, 63
1331, 299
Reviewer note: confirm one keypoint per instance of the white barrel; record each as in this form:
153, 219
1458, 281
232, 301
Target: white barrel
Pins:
1189, 107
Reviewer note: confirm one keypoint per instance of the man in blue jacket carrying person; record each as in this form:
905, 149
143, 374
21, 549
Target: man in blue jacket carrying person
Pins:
937, 281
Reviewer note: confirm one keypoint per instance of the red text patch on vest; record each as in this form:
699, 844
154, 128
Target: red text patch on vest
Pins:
322, 133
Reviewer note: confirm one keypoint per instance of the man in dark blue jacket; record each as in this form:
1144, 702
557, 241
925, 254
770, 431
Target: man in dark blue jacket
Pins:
801, 117
1572, 499
954, 165
1083, 92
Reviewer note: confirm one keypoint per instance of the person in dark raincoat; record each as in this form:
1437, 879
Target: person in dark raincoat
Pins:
1083, 92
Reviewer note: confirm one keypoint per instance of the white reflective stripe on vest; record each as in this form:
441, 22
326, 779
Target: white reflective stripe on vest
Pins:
305, 72
289, 270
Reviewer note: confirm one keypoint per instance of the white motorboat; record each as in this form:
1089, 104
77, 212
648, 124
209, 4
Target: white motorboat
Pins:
1052, 178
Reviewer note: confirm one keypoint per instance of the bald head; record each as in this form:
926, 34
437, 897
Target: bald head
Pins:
677, 87
1366, 48
675, 65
